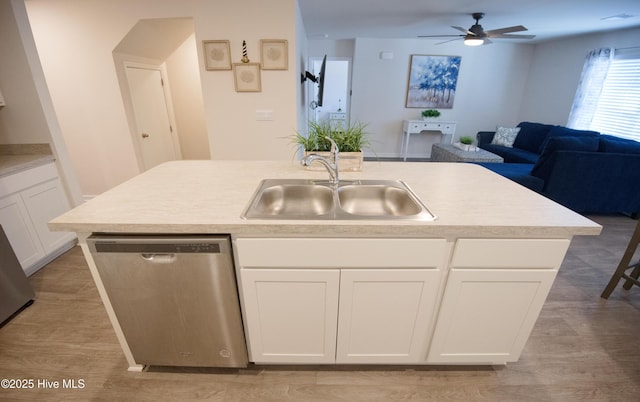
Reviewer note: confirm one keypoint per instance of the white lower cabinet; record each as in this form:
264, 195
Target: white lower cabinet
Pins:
494, 294
28, 201
345, 301
344, 304
16, 223
385, 315
291, 314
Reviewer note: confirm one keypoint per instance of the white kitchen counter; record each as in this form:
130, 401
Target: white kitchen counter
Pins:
209, 197
15, 158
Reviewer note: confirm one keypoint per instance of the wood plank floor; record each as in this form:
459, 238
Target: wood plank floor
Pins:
583, 348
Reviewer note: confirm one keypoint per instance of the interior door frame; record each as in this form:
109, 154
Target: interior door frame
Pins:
311, 113
166, 89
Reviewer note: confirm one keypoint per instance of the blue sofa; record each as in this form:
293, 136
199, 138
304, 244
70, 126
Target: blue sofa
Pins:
585, 171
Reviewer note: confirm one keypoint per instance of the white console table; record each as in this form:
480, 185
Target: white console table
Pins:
446, 128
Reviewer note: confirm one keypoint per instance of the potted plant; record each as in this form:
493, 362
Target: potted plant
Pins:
465, 143
430, 113
350, 141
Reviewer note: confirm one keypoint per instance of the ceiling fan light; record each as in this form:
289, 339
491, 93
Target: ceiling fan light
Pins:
473, 41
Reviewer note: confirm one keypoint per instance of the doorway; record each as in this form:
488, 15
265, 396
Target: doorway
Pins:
155, 135
337, 89
165, 47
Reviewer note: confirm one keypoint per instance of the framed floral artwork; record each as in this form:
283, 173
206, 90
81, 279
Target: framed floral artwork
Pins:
217, 54
246, 77
274, 54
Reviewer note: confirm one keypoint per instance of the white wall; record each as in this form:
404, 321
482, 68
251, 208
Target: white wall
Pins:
188, 105
22, 121
29, 116
490, 89
301, 65
75, 41
555, 73
499, 84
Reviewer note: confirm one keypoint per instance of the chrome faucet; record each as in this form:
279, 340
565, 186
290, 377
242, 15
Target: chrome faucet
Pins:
331, 166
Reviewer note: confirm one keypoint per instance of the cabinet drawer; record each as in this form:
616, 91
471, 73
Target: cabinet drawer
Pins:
509, 253
19, 181
342, 253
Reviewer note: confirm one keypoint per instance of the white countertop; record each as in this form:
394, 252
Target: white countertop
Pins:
16, 158
209, 196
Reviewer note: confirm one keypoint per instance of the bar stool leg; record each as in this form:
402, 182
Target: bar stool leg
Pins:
625, 263
634, 274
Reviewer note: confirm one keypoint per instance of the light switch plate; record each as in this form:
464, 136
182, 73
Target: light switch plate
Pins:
264, 114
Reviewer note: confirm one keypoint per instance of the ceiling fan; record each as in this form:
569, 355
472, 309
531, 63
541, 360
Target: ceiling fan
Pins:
476, 35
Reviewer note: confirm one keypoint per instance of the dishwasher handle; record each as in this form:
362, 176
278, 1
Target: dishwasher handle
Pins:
159, 258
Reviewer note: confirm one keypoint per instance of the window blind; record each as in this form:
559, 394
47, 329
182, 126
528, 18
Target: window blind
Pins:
618, 106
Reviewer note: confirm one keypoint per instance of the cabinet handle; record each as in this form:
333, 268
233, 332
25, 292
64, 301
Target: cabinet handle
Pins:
145, 135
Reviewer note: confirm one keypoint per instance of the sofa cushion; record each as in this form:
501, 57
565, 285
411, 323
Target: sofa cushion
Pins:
505, 136
544, 165
609, 143
532, 136
560, 131
512, 155
518, 172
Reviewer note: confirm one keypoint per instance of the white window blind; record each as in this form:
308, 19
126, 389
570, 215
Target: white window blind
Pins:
618, 107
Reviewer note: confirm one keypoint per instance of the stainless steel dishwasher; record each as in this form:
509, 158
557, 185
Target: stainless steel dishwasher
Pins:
175, 297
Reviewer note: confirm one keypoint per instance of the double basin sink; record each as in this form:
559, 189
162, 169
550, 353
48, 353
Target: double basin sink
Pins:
316, 199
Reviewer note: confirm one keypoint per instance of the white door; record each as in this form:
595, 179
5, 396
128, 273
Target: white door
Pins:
153, 126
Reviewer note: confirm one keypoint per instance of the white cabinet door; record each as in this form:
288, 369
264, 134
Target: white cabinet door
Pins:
385, 315
494, 294
486, 315
291, 314
16, 223
44, 202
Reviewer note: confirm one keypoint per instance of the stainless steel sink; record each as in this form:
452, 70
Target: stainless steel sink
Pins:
309, 199
294, 200
378, 200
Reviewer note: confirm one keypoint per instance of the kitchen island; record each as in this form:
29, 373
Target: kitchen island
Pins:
466, 288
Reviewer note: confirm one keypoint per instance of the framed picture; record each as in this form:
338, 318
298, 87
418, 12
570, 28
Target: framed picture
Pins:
432, 81
217, 54
274, 54
246, 77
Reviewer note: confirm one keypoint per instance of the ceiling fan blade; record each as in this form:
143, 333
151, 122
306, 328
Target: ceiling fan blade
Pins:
512, 36
440, 36
447, 41
466, 31
516, 28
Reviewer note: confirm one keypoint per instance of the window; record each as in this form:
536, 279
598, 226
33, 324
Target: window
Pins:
610, 103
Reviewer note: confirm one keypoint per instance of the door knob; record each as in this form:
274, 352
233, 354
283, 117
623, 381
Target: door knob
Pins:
145, 135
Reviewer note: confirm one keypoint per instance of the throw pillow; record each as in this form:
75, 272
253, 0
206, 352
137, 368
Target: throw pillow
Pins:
544, 165
505, 136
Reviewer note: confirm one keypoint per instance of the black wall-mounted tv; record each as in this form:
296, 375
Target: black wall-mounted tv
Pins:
319, 79
323, 67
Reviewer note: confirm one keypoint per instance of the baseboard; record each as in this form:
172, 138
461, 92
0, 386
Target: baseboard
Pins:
50, 257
